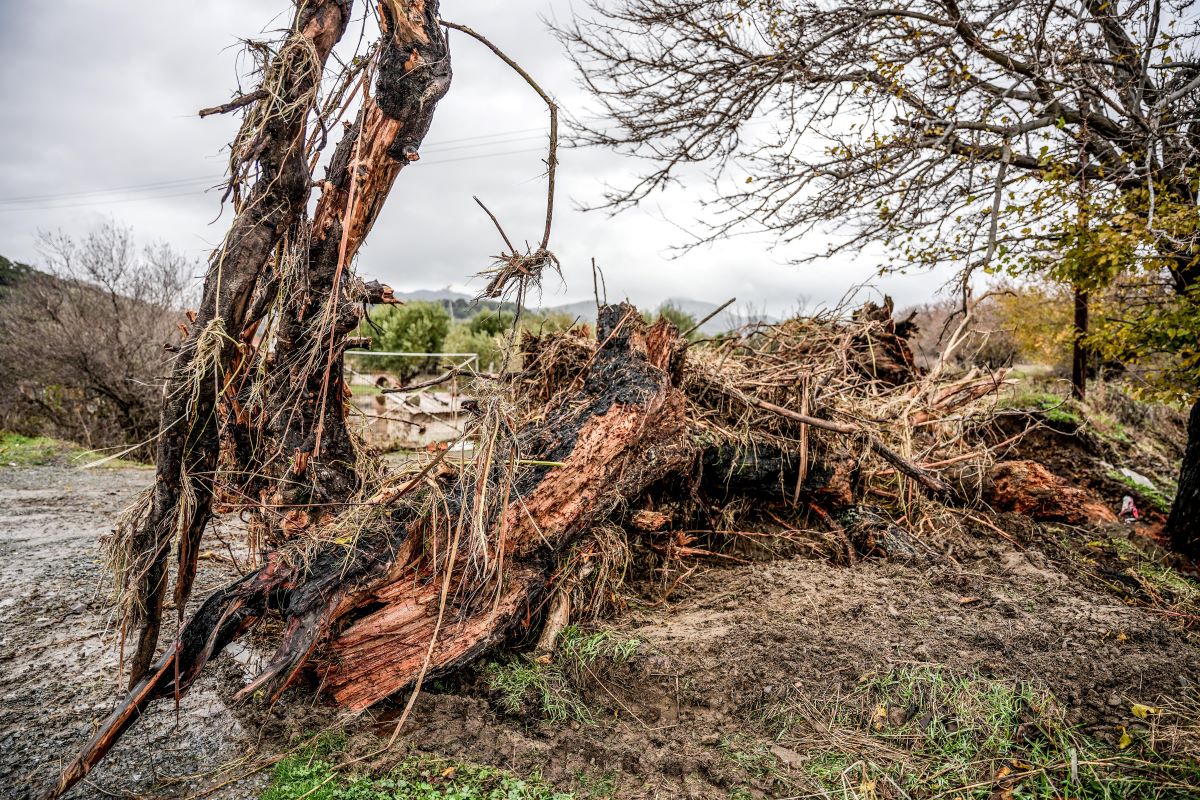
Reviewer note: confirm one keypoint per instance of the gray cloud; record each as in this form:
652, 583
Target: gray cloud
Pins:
101, 97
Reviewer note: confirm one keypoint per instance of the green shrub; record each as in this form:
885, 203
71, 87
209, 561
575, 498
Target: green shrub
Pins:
416, 327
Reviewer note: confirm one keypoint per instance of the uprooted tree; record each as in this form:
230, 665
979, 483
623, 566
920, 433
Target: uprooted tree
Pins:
383, 579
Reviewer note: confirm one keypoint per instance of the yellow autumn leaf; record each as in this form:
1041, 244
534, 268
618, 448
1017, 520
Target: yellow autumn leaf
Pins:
1142, 711
1126, 739
879, 717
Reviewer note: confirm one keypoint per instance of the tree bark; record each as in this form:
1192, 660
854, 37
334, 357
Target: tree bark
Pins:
310, 469
1183, 524
1079, 352
188, 442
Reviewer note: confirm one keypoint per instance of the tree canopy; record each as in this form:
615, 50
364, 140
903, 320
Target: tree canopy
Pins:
948, 129
416, 327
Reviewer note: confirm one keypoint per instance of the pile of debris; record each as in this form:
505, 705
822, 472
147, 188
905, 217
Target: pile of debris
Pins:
804, 425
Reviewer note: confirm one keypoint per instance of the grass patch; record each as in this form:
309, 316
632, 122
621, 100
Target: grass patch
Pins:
312, 774
550, 687
31, 451
1148, 493
1179, 592
751, 756
923, 732
1133, 573
361, 389
1109, 428
40, 451
595, 787
761, 767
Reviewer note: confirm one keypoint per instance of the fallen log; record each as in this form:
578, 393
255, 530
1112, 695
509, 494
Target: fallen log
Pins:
1028, 488
422, 592
930, 482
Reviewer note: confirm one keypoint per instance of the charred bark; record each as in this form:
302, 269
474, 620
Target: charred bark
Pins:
312, 470
292, 450
188, 443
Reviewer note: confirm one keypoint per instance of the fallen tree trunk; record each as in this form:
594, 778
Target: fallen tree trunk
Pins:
621, 432
423, 593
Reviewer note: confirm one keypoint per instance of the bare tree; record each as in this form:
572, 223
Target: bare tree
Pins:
957, 132
82, 341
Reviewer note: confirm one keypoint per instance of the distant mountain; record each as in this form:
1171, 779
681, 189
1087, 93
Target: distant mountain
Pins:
433, 295
585, 310
461, 306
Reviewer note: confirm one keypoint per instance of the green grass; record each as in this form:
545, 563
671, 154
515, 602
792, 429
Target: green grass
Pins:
595, 787
926, 732
39, 451
1054, 408
752, 757
313, 774
550, 688
755, 760
1109, 428
1148, 493
1145, 579
29, 451
359, 389
1182, 592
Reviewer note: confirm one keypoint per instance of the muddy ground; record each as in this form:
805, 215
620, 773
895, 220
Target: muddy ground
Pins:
728, 641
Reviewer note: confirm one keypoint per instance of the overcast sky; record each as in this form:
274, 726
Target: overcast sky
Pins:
98, 106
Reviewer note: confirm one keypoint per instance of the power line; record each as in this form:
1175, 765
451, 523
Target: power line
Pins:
33, 198
99, 202
482, 140
486, 155
441, 149
75, 201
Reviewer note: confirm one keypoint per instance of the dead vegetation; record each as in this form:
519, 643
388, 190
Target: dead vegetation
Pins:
84, 339
630, 450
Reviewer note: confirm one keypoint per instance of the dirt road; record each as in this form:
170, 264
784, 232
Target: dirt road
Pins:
58, 662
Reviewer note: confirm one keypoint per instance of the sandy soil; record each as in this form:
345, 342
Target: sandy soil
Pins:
728, 639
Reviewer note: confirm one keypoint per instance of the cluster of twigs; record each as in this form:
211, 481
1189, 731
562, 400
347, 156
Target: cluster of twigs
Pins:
847, 386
